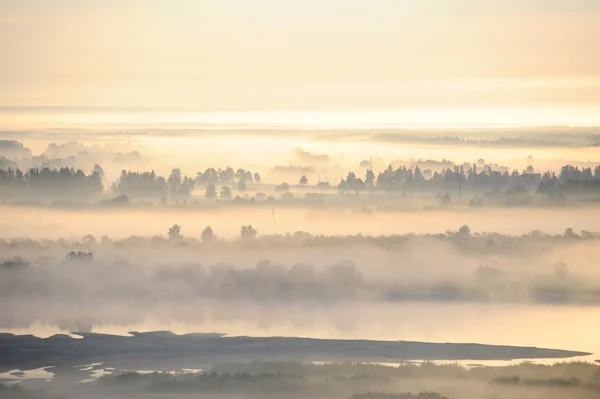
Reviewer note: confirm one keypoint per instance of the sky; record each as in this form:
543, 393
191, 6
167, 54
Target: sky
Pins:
475, 57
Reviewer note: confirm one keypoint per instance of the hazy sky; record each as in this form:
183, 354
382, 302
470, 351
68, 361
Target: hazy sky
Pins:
301, 54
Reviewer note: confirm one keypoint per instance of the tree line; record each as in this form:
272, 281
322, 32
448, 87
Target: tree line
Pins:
70, 183
150, 185
472, 178
51, 183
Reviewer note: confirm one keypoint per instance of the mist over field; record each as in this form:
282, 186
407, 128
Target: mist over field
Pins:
332, 199
357, 240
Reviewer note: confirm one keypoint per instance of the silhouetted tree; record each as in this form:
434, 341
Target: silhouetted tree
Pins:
187, 186
227, 175
282, 187
364, 164
145, 185
248, 232
352, 183
88, 240
98, 169
175, 232
242, 185
418, 175
79, 256
370, 179
210, 176
240, 173
343, 186
570, 233
225, 193
122, 198
211, 191
16, 263
174, 182
464, 230
207, 234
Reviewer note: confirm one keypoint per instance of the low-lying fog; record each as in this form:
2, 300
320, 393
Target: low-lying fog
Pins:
459, 286
46, 222
374, 236
330, 153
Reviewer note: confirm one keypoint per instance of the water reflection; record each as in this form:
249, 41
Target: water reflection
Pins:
556, 327
17, 376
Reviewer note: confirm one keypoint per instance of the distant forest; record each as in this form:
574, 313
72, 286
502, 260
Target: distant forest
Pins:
475, 180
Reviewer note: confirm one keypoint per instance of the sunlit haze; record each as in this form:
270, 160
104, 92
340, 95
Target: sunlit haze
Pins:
432, 62
328, 199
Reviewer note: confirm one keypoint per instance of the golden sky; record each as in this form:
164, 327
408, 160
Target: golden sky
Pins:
300, 54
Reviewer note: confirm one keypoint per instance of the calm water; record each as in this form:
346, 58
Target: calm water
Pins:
557, 327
